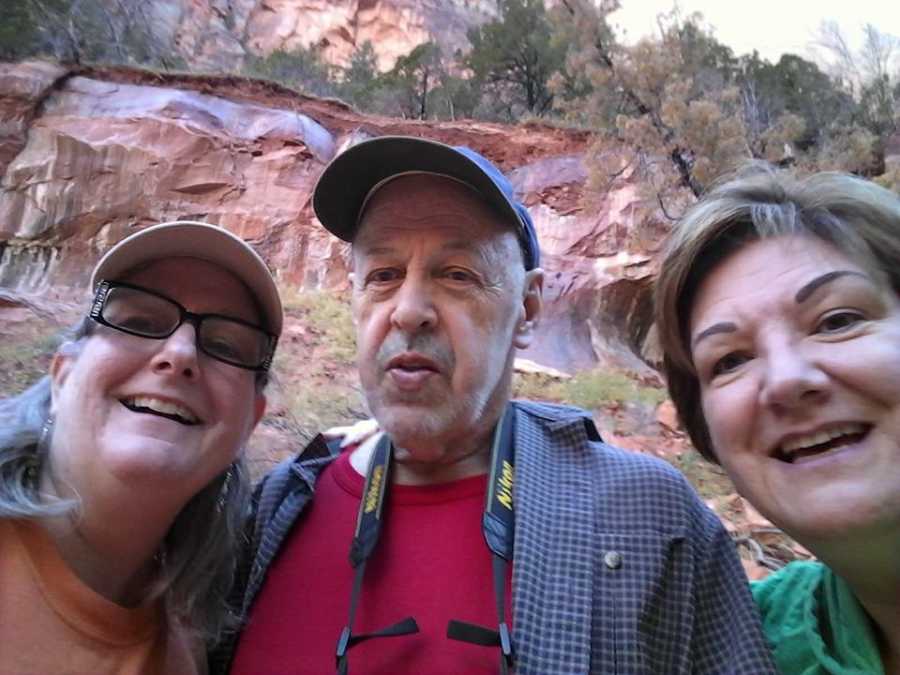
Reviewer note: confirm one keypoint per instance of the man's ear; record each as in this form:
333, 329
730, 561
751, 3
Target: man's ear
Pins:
532, 303
60, 368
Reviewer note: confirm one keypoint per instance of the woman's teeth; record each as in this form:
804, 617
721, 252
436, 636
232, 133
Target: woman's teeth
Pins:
822, 441
164, 408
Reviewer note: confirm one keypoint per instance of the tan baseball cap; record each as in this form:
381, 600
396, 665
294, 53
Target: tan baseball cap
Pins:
190, 239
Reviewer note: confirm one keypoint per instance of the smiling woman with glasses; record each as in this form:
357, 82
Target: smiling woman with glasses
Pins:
122, 481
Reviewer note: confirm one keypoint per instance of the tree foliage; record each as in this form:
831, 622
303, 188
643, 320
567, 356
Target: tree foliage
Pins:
108, 31
871, 74
688, 110
792, 85
360, 82
19, 33
514, 57
301, 69
672, 100
413, 77
681, 105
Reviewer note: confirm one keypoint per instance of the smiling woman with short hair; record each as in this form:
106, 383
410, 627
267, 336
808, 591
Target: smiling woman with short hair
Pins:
778, 305
122, 482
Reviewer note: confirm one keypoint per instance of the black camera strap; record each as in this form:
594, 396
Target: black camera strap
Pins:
368, 528
497, 526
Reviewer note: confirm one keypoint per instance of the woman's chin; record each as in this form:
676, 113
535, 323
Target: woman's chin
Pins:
147, 459
842, 519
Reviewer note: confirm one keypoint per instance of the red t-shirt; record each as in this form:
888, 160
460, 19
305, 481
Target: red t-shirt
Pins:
431, 563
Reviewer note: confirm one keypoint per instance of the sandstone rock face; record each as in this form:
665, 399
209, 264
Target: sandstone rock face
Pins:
22, 88
393, 27
218, 34
208, 34
88, 156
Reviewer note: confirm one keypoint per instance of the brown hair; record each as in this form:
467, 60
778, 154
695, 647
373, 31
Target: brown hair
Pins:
855, 216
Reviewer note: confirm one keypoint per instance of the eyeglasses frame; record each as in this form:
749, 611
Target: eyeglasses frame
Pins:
102, 293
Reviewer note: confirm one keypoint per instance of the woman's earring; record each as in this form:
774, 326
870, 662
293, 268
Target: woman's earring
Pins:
46, 434
42, 449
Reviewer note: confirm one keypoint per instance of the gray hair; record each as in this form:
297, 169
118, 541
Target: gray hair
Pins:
198, 557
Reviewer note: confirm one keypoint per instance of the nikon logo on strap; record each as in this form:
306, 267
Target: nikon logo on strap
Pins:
505, 485
374, 488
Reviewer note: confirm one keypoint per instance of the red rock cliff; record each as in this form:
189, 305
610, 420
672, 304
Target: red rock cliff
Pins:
88, 155
217, 35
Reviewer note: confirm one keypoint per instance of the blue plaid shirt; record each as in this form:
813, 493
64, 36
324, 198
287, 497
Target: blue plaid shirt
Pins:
618, 567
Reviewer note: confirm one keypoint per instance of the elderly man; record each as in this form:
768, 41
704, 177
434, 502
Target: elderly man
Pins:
483, 535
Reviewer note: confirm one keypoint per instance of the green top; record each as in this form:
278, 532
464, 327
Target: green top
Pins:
815, 624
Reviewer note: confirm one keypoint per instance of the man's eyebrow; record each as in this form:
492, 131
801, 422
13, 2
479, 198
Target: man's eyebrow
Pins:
715, 329
811, 287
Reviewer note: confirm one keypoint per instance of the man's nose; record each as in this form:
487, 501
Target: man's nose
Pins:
793, 380
414, 308
178, 353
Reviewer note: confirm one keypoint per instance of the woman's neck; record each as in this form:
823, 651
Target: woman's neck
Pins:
112, 541
871, 567
885, 613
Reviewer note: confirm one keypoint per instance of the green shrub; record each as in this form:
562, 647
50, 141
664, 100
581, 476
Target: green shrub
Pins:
327, 315
24, 359
596, 388
591, 389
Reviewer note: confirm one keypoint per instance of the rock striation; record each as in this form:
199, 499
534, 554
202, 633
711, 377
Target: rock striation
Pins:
88, 155
217, 35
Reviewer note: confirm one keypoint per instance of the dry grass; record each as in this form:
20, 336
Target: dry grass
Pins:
326, 315
25, 358
590, 390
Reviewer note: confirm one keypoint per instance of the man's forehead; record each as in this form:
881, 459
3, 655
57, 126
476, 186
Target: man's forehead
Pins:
449, 214
394, 242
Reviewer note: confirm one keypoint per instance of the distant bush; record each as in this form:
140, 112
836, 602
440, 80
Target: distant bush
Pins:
595, 388
590, 389
81, 31
327, 314
300, 69
25, 358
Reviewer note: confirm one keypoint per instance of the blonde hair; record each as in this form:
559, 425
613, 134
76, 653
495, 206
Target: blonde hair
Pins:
855, 216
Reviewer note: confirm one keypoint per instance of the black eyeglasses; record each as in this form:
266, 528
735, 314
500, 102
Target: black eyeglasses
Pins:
138, 311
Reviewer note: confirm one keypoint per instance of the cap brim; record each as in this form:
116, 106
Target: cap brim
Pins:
349, 178
188, 239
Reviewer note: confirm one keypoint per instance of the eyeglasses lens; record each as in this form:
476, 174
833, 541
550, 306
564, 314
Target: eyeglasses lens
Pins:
140, 313
233, 342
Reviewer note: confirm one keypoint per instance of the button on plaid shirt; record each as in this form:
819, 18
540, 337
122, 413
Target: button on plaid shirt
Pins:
618, 567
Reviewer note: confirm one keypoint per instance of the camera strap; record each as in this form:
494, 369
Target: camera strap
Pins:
497, 527
368, 529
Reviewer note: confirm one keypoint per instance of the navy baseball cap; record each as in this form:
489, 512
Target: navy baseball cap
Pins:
356, 174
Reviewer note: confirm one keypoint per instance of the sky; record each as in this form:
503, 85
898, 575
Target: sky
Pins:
770, 26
